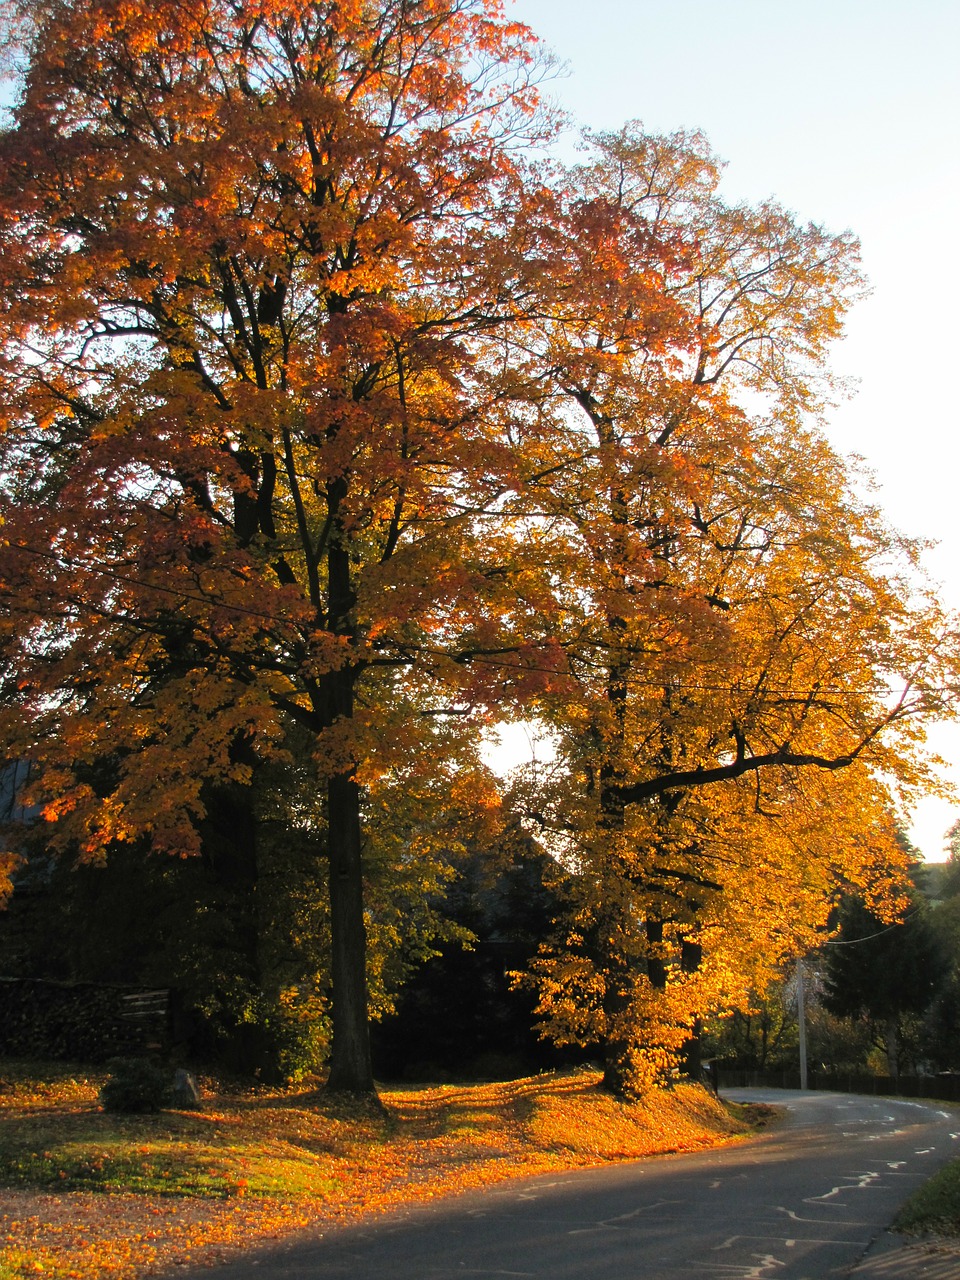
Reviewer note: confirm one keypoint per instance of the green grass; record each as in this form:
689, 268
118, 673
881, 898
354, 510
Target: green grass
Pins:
934, 1207
54, 1137
81, 1153
19, 1265
161, 1166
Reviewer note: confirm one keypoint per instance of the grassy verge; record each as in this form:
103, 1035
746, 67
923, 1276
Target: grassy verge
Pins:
89, 1196
934, 1207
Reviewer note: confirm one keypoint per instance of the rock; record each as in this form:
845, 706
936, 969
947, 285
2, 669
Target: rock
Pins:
186, 1092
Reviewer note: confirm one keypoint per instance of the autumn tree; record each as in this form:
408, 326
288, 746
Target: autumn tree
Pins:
739, 617
250, 253
326, 407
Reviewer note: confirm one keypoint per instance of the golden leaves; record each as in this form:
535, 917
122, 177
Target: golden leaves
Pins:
323, 407
9, 862
265, 1166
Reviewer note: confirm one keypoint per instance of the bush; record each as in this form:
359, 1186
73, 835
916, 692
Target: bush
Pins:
136, 1085
935, 1206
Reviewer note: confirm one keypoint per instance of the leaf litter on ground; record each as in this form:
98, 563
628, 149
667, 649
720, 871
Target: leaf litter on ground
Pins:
86, 1195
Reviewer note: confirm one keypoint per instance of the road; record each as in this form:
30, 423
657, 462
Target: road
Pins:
804, 1202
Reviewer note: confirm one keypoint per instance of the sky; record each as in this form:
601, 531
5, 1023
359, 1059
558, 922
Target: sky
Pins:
848, 113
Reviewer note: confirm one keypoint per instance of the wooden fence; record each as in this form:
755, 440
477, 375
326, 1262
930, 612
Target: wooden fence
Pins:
80, 1021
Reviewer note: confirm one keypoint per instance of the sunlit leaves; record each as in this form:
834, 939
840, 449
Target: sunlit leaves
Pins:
251, 1169
323, 405
740, 614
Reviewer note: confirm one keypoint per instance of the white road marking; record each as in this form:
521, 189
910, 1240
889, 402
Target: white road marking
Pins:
766, 1261
790, 1243
819, 1222
861, 1180
611, 1224
635, 1213
758, 1270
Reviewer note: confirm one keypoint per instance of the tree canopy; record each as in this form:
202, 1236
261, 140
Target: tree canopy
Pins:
338, 420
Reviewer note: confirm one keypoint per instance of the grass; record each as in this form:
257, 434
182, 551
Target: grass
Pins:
170, 1154
934, 1208
86, 1195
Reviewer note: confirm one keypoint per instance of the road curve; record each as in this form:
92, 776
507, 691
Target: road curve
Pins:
808, 1201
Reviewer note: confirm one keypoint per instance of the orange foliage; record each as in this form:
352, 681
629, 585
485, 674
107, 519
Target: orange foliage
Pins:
8, 864
740, 618
248, 274
322, 404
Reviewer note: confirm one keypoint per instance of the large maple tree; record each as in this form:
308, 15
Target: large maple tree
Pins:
251, 252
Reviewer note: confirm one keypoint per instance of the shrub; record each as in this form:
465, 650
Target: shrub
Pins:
136, 1085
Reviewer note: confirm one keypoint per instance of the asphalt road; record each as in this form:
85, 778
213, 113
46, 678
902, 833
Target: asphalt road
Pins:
804, 1202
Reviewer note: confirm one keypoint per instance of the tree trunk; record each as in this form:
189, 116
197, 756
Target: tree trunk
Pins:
656, 966
616, 964
693, 1063
892, 1042
617, 985
351, 1069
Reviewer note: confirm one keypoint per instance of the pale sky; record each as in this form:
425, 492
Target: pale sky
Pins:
848, 112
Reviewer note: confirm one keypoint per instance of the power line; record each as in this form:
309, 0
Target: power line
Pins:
853, 942
805, 694
106, 572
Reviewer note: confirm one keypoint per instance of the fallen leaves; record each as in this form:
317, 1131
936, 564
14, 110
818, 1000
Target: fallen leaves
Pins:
281, 1163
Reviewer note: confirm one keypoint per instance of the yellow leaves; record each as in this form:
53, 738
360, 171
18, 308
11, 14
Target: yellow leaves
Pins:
336, 748
323, 406
9, 862
327, 652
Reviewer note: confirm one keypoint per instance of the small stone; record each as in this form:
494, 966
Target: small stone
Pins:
186, 1093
